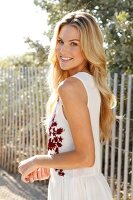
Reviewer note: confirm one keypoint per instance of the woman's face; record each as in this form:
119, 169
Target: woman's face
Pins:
68, 50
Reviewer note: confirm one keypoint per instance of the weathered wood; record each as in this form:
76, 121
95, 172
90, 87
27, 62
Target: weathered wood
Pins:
22, 134
120, 136
128, 110
113, 144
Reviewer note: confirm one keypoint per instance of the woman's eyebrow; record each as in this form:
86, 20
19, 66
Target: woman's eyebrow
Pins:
69, 40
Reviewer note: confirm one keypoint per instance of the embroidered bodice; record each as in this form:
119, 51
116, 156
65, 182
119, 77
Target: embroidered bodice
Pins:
59, 133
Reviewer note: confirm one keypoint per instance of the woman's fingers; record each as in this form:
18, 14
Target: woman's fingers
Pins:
25, 179
28, 179
39, 173
46, 171
43, 174
31, 178
35, 176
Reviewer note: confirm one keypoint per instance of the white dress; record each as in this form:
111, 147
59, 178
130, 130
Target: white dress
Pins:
82, 183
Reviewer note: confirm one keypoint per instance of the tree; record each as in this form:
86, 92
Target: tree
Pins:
115, 19
37, 57
120, 43
39, 53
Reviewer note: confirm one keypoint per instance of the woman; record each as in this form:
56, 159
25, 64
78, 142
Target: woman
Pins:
79, 114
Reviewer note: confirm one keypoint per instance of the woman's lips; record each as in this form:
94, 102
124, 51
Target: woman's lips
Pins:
65, 59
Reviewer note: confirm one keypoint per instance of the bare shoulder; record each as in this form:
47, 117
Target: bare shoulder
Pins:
70, 82
72, 88
75, 110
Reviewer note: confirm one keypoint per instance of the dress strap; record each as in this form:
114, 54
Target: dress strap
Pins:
81, 78
86, 79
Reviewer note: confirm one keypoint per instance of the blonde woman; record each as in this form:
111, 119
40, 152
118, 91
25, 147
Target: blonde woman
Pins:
79, 114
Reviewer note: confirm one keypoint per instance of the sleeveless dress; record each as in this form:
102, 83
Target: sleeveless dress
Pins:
82, 183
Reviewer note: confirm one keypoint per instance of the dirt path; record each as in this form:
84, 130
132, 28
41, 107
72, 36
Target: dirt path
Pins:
12, 188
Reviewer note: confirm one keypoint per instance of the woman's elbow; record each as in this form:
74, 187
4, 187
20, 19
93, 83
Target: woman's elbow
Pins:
89, 161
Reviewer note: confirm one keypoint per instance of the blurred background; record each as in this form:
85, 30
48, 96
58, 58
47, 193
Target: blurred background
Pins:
26, 28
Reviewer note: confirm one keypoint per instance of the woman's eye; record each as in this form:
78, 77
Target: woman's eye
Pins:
60, 41
74, 44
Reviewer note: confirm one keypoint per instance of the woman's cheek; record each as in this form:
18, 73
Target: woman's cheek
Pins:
57, 50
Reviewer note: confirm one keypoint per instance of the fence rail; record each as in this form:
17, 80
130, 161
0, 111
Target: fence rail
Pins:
23, 95
22, 104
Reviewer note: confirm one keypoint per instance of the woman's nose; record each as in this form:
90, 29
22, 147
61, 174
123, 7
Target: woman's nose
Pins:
63, 49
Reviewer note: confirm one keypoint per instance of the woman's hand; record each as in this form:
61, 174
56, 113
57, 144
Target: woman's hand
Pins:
38, 174
27, 166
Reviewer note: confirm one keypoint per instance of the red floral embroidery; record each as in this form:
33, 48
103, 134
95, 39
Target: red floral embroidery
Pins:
60, 172
55, 140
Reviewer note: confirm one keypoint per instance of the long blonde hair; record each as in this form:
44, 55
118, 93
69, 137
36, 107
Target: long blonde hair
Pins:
92, 47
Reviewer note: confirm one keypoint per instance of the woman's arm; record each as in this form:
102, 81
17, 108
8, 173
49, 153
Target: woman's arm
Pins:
74, 99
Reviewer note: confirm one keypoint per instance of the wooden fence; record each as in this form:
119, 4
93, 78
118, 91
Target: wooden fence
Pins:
22, 104
118, 155
23, 94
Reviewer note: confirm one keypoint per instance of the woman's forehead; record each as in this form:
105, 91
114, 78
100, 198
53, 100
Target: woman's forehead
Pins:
69, 32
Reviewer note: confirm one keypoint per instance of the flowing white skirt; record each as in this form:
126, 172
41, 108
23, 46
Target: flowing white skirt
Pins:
93, 187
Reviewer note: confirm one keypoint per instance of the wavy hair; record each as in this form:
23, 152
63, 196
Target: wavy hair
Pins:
92, 47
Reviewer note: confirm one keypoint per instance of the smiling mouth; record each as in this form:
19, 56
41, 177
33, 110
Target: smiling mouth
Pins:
65, 59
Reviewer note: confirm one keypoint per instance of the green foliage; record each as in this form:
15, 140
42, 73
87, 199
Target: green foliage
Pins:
115, 19
37, 57
39, 53
119, 36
